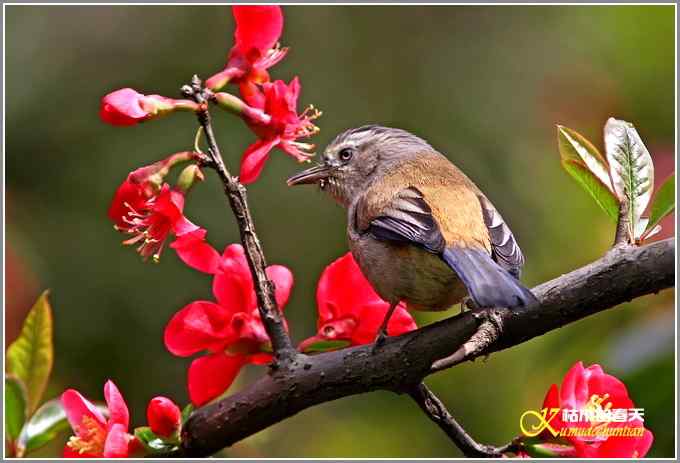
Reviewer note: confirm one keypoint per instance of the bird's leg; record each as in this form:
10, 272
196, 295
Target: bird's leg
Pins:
382, 332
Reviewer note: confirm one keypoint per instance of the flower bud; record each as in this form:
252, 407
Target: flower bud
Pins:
189, 176
128, 107
156, 172
240, 108
222, 78
164, 416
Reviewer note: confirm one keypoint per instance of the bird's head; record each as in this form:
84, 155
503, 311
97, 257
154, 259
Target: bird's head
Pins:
358, 156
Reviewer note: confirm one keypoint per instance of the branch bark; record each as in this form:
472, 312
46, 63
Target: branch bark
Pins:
437, 412
622, 236
621, 275
282, 346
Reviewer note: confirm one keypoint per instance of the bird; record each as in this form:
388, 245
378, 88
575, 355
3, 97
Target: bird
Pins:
421, 231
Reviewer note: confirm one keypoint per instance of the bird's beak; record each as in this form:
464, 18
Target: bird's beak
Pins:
312, 175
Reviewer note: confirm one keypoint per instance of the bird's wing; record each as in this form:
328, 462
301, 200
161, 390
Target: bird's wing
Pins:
504, 247
408, 219
425, 201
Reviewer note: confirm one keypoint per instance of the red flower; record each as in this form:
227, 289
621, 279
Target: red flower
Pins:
258, 29
128, 107
94, 435
150, 218
230, 330
349, 308
580, 390
163, 416
151, 211
280, 102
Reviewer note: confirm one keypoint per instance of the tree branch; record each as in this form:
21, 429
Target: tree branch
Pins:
622, 236
437, 412
236, 193
400, 365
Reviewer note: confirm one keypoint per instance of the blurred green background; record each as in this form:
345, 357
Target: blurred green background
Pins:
485, 85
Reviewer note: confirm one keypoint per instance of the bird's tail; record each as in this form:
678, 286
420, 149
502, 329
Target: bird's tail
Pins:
488, 284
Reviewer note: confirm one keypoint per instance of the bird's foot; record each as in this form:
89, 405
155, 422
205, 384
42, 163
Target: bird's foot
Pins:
379, 341
467, 304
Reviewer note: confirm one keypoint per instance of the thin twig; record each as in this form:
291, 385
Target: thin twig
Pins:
487, 333
236, 193
622, 236
437, 412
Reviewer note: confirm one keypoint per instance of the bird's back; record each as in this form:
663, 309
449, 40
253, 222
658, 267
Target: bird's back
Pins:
423, 232
451, 195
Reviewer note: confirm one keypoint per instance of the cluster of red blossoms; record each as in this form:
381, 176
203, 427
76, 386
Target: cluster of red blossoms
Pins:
268, 108
226, 333
151, 211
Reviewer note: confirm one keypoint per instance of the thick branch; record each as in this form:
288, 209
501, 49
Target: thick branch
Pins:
437, 412
236, 193
622, 274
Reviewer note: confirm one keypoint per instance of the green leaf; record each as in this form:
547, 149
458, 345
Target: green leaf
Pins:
324, 346
46, 424
574, 146
30, 357
602, 195
152, 442
186, 413
663, 202
632, 169
16, 405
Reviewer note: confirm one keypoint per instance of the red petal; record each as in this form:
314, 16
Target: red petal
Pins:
371, 317
644, 444
183, 226
234, 254
234, 261
249, 332
283, 282
122, 107
201, 325
118, 411
196, 253
344, 291
568, 389
116, 445
401, 321
76, 407
292, 94
252, 95
129, 194
616, 447
257, 27
281, 101
233, 289
601, 383
260, 358
552, 398
211, 375
254, 158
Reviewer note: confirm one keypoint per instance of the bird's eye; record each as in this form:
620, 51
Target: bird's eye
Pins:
346, 154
